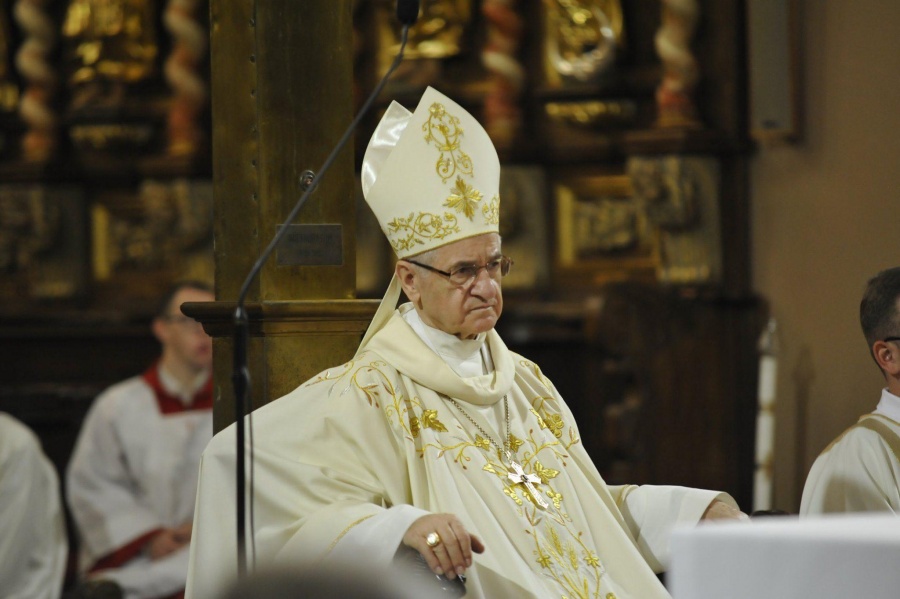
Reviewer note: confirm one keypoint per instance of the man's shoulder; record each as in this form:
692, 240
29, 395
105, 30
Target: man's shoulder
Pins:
365, 366
123, 392
529, 368
351, 378
15, 436
869, 437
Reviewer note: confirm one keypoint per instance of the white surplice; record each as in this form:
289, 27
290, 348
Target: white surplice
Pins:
33, 543
860, 470
346, 462
134, 472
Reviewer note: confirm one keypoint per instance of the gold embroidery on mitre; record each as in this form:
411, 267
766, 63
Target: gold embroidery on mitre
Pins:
491, 211
404, 233
443, 129
464, 198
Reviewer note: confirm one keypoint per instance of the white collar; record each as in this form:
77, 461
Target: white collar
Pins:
889, 405
184, 393
463, 356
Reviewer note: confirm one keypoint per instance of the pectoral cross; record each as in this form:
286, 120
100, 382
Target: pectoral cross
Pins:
517, 475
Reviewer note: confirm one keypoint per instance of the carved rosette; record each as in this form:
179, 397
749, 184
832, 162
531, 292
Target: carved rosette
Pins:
503, 115
674, 96
189, 43
39, 33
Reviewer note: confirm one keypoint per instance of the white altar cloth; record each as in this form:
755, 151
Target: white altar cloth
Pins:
780, 557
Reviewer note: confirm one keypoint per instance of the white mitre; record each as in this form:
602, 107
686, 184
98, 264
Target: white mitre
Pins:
432, 177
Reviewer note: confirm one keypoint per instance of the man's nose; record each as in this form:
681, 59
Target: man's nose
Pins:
484, 284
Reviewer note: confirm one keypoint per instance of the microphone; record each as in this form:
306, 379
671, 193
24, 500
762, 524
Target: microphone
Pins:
407, 13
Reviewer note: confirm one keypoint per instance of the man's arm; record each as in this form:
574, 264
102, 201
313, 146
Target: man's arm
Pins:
651, 513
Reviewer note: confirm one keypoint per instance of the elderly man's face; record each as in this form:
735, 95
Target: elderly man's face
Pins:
464, 311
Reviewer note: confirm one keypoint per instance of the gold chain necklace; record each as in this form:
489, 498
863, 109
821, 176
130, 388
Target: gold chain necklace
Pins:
514, 472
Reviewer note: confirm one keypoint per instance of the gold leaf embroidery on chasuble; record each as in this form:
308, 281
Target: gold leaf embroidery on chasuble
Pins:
558, 546
430, 420
443, 131
332, 374
464, 198
406, 233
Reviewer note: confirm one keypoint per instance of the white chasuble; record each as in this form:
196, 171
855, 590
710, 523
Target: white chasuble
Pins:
377, 438
860, 470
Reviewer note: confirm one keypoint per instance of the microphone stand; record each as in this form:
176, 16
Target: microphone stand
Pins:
240, 377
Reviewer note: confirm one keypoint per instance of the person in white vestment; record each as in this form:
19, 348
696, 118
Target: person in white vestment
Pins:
436, 437
860, 470
132, 478
33, 545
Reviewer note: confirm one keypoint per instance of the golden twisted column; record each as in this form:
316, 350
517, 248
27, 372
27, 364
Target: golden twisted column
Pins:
39, 142
503, 115
189, 43
680, 73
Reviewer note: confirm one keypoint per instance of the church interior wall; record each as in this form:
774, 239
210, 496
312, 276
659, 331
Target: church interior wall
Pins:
822, 226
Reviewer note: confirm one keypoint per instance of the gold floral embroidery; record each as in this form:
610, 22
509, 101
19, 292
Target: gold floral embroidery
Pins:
464, 198
481, 442
511, 492
332, 374
555, 497
560, 549
610, 596
545, 473
555, 424
540, 420
562, 564
405, 233
552, 422
491, 211
444, 131
430, 420
414, 426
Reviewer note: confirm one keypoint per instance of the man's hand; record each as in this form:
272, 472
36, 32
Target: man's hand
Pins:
169, 540
719, 510
453, 553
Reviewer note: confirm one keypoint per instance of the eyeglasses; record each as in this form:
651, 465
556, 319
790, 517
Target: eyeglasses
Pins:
891, 339
463, 276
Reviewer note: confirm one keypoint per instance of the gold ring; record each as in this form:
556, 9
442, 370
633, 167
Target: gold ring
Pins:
433, 539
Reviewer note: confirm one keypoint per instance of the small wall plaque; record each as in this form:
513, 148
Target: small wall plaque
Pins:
311, 245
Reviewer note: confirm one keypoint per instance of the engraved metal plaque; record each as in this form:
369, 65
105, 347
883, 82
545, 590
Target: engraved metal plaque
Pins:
311, 245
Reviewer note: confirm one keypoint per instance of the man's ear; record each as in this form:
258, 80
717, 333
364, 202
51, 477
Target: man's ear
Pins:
158, 326
887, 356
409, 280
